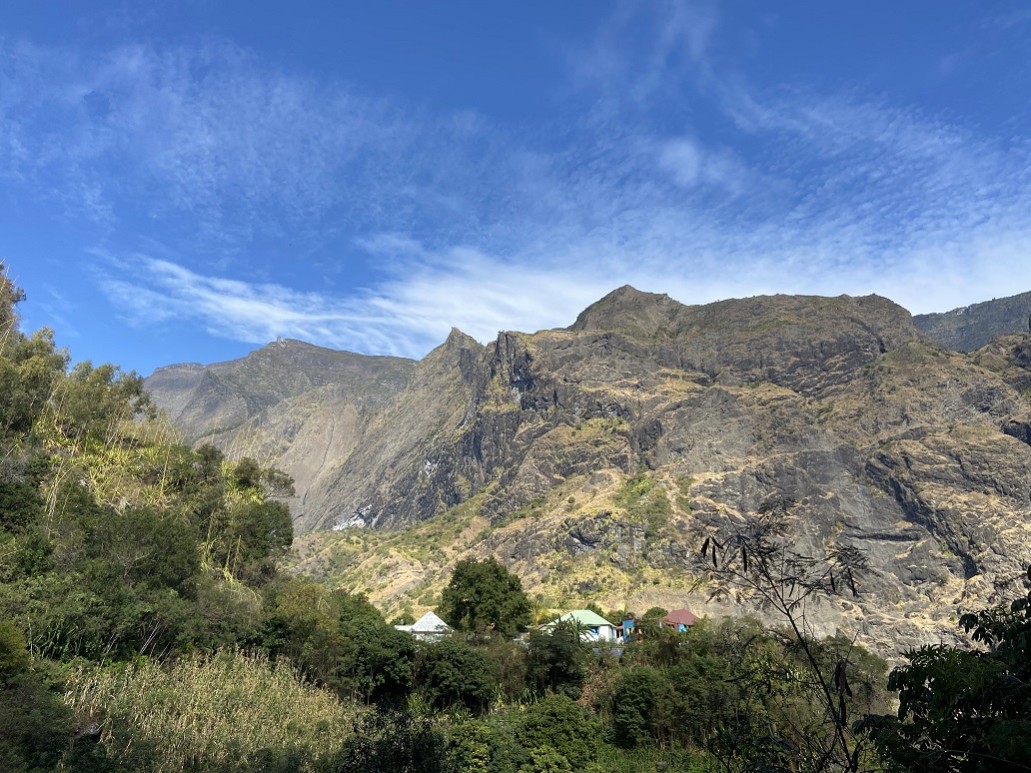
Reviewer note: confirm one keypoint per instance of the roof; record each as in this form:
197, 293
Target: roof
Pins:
681, 617
429, 623
585, 617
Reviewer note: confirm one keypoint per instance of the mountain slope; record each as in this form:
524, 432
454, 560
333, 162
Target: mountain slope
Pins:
512, 403
290, 404
402, 468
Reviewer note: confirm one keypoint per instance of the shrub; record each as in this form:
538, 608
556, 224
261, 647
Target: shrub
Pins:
396, 742
453, 674
557, 723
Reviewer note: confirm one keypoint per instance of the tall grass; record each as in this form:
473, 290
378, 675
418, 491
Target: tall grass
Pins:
228, 712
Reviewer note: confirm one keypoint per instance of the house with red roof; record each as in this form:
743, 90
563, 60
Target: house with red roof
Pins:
679, 619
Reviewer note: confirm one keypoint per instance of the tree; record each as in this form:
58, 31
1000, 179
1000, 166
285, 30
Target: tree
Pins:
30, 366
484, 596
558, 730
655, 613
732, 688
256, 535
961, 710
30, 369
453, 674
556, 660
758, 559
339, 640
93, 400
376, 660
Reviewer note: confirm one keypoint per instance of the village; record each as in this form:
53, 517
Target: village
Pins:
591, 626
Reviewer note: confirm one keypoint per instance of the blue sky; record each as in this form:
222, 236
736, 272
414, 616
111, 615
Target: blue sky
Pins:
190, 181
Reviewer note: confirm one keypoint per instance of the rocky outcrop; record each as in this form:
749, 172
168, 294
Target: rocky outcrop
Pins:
971, 327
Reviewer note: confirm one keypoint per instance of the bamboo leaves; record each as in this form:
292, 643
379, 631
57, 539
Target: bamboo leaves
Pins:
759, 559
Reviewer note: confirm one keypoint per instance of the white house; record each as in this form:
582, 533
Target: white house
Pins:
429, 627
592, 626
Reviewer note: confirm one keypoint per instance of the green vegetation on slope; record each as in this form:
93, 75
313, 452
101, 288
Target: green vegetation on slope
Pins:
229, 712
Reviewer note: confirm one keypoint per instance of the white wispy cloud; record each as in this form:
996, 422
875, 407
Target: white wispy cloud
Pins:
634, 51
405, 317
483, 227
482, 294
204, 132
691, 165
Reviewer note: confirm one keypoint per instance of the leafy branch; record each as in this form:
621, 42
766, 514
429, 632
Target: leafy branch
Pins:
760, 559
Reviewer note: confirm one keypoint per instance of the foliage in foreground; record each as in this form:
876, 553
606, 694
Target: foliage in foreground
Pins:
967, 711
757, 557
34, 723
229, 712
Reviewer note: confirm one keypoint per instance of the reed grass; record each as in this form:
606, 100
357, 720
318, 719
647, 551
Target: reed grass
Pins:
231, 711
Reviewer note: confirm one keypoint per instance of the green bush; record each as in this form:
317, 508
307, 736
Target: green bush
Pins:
451, 674
633, 700
557, 723
395, 742
481, 746
645, 502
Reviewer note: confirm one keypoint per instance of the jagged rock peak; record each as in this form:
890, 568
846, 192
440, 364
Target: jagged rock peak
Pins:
627, 307
456, 339
459, 349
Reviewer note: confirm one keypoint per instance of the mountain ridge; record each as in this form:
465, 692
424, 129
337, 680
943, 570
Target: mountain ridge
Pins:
971, 327
531, 448
290, 403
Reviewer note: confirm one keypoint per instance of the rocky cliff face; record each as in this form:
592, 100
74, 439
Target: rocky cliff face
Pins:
590, 459
653, 372
971, 327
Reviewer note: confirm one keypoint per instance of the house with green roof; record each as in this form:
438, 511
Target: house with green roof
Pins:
592, 626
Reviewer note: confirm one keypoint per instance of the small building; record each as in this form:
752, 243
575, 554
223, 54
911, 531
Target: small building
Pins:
679, 619
429, 627
628, 630
593, 627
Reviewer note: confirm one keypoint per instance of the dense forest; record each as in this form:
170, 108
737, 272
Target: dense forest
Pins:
146, 625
